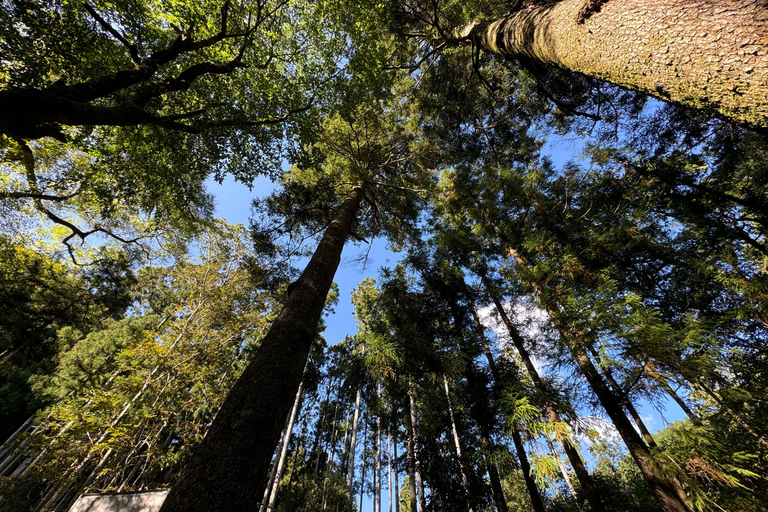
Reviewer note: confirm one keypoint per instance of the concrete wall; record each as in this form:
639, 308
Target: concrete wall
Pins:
149, 501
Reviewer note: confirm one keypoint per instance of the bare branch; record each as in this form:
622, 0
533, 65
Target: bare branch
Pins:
109, 28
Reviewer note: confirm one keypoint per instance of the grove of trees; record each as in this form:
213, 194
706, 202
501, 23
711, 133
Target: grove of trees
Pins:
539, 302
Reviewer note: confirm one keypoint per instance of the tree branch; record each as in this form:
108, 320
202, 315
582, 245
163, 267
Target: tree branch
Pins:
117, 35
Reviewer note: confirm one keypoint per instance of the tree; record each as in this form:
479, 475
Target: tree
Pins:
132, 397
363, 157
702, 55
40, 296
117, 113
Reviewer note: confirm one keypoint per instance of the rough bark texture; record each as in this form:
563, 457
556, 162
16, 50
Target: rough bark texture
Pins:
228, 471
705, 54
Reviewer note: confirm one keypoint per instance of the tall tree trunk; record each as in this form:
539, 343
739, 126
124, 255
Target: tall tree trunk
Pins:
563, 470
410, 442
377, 491
362, 469
416, 460
703, 54
352, 444
228, 470
457, 444
286, 442
667, 491
493, 473
625, 401
587, 484
678, 399
397, 477
389, 467
530, 482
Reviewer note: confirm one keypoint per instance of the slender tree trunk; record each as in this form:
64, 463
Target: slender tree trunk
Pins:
563, 470
352, 444
457, 444
417, 461
411, 441
389, 467
377, 496
703, 54
362, 469
626, 402
227, 472
286, 443
587, 484
319, 428
678, 399
273, 471
525, 466
397, 477
667, 491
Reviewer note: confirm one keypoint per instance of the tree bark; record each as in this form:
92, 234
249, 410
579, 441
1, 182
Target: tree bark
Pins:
704, 54
228, 470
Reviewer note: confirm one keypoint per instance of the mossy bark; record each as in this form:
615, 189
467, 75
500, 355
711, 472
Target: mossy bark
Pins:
704, 54
228, 471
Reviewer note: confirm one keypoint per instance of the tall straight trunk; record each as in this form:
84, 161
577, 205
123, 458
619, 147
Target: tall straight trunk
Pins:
331, 452
530, 482
318, 430
587, 484
362, 469
678, 399
703, 54
228, 471
377, 496
563, 470
389, 467
352, 444
410, 442
416, 460
332, 439
625, 401
667, 491
456, 443
286, 443
397, 478
493, 473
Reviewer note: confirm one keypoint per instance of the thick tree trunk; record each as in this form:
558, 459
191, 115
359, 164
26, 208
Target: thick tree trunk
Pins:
587, 484
705, 54
229, 468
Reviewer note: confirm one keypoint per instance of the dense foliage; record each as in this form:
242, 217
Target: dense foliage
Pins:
541, 303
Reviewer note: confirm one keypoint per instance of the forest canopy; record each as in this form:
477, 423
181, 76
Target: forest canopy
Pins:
542, 300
